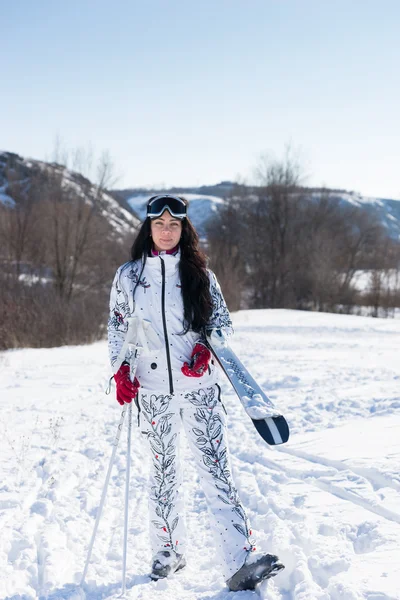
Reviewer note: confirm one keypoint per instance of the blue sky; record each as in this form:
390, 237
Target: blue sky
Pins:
190, 93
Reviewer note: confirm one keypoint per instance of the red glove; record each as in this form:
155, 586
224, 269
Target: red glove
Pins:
199, 363
126, 389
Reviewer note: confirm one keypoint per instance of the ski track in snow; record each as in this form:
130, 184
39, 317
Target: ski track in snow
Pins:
328, 502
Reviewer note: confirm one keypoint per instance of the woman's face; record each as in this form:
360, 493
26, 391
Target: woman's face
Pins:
166, 231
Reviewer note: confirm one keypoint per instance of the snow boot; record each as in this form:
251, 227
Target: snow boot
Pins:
254, 572
165, 563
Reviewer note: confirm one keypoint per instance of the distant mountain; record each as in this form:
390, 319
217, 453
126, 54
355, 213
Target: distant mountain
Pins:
386, 209
16, 169
221, 190
205, 201
124, 209
201, 208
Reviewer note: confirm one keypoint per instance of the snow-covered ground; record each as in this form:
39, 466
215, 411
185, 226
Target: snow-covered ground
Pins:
327, 502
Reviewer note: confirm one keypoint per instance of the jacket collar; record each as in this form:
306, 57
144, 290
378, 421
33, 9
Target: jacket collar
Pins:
162, 252
171, 262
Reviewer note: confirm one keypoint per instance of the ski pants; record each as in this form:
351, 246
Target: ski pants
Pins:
202, 416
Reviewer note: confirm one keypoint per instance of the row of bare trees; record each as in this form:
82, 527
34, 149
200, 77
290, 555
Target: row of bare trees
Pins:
279, 247
58, 255
285, 247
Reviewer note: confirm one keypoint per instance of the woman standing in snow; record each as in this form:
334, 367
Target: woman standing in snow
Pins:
167, 283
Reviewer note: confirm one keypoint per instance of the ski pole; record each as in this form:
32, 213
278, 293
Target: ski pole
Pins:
133, 357
103, 495
128, 472
133, 353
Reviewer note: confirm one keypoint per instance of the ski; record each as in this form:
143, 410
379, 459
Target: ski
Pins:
269, 422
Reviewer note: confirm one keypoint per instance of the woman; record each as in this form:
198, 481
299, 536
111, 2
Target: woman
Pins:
175, 388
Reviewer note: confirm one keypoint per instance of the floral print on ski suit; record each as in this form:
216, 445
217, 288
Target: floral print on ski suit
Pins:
170, 403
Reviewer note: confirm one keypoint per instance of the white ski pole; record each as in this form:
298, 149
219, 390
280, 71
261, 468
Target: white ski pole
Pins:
133, 357
104, 493
128, 472
137, 329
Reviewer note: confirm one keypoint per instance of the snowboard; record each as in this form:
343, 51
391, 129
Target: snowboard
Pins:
269, 422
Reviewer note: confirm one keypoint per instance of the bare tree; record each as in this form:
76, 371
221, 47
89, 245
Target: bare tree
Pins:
17, 224
71, 242
72, 216
298, 248
362, 235
225, 235
272, 220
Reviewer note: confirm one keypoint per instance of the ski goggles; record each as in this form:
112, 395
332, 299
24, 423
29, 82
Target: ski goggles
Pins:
173, 204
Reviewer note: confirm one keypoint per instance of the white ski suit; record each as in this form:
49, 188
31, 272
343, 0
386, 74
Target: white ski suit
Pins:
169, 401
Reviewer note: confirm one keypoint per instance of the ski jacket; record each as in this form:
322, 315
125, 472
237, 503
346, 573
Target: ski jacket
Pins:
155, 294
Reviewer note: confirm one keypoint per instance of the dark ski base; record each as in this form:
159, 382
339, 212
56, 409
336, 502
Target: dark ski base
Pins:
273, 430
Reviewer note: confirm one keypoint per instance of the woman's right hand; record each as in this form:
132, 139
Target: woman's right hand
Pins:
126, 389
201, 356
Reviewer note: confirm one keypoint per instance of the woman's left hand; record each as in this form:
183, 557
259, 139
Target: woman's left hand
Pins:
199, 363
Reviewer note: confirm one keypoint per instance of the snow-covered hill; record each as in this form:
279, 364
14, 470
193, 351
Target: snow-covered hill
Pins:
201, 208
386, 210
23, 169
204, 206
327, 502
205, 201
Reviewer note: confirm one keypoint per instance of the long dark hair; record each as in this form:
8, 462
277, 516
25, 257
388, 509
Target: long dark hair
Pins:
197, 302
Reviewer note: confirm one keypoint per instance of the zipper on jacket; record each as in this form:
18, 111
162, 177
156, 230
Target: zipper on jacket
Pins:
171, 386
